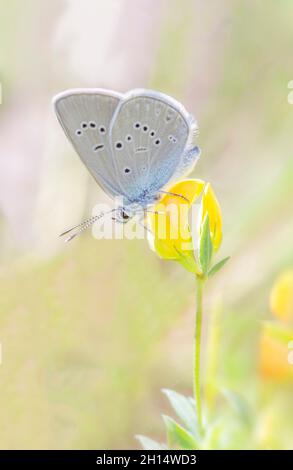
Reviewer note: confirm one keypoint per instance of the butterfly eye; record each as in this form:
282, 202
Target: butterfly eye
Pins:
78, 132
128, 138
145, 128
102, 129
84, 125
124, 215
136, 125
92, 124
127, 170
157, 142
119, 145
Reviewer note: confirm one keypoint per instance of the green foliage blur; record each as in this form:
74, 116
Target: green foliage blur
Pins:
91, 331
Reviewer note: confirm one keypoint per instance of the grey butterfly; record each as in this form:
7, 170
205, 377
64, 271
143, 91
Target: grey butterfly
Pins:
134, 144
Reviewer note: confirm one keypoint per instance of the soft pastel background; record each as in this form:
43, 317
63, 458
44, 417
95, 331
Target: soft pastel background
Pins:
91, 331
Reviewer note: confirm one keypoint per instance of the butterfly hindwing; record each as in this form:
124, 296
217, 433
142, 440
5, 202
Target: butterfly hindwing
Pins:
188, 160
149, 133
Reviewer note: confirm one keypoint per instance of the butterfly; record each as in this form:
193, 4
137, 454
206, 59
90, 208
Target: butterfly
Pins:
133, 144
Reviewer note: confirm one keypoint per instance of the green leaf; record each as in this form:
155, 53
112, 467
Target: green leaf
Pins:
149, 444
239, 404
214, 434
178, 436
184, 410
205, 246
218, 266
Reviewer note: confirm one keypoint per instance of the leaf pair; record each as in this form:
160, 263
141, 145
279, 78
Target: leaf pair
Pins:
184, 435
205, 251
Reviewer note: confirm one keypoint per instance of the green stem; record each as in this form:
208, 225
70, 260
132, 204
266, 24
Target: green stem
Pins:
197, 345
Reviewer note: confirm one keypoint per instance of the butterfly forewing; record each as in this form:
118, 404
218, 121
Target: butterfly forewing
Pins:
85, 116
149, 133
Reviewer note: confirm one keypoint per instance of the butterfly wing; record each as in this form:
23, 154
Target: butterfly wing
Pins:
188, 160
85, 115
149, 133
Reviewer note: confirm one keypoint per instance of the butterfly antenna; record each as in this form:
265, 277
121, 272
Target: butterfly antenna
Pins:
175, 194
78, 232
77, 226
83, 225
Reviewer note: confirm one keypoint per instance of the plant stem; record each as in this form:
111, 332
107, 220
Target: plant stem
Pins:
197, 345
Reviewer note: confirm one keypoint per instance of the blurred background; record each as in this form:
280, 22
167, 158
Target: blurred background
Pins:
92, 330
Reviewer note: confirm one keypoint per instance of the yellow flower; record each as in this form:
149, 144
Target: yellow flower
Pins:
281, 298
210, 206
179, 222
275, 363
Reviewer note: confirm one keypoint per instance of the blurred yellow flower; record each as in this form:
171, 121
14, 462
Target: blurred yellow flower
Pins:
276, 338
178, 224
274, 354
281, 298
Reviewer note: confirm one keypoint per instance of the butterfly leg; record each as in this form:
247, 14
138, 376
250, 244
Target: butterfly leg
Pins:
175, 194
141, 223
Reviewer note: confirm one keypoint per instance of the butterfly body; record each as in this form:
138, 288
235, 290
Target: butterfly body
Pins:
133, 144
